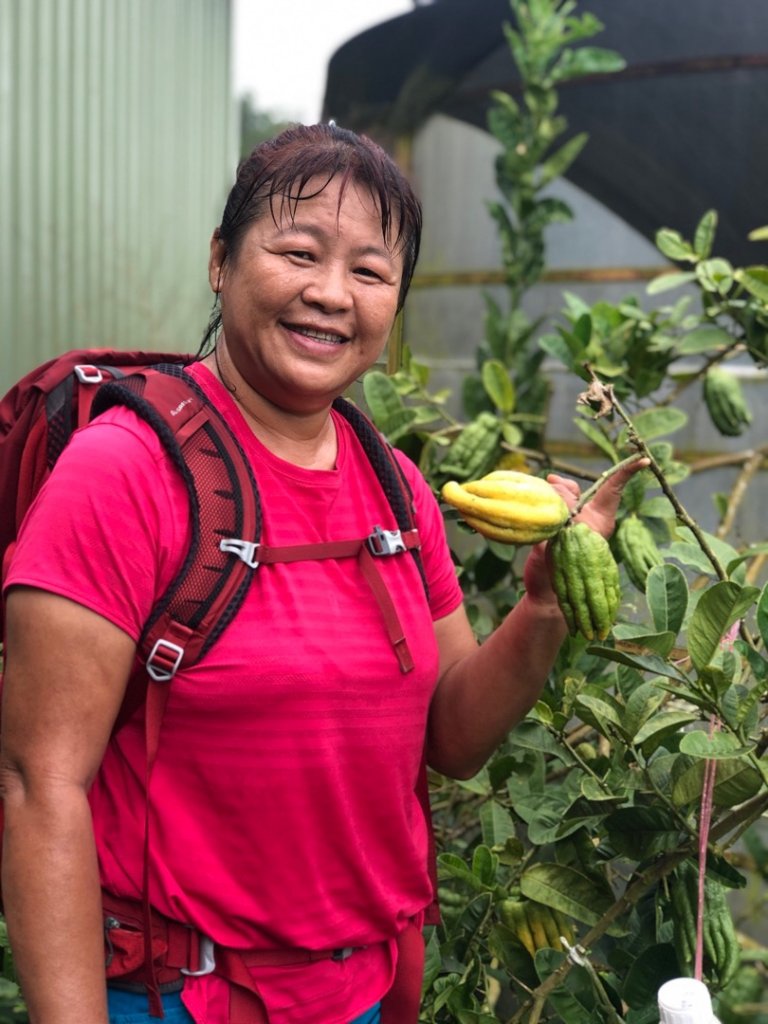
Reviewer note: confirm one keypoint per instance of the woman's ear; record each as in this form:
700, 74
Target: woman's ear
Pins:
216, 261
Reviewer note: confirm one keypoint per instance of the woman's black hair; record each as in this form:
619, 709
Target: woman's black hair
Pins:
283, 166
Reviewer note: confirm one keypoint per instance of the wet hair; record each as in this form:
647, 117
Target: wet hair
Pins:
275, 175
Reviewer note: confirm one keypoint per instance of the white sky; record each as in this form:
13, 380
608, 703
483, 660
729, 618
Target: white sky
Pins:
282, 48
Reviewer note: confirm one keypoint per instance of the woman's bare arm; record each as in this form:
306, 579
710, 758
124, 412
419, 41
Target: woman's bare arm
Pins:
65, 677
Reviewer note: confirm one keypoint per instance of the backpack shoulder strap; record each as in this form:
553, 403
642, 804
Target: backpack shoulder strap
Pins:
212, 582
389, 472
400, 497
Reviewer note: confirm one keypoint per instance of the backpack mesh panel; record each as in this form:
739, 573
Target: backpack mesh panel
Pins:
60, 419
215, 491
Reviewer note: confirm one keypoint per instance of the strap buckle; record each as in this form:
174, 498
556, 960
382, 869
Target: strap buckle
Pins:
88, 374
207, 959
245, 550
385, 542
164, 660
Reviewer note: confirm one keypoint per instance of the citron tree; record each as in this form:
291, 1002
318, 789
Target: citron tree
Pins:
574, 866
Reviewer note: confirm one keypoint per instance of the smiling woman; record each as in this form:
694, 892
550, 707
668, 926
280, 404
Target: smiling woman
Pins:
286, 873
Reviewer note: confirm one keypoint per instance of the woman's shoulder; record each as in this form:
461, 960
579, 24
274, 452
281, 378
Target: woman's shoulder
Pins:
119, 430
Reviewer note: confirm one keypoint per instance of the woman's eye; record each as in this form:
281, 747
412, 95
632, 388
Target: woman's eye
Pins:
368, 272
300, 254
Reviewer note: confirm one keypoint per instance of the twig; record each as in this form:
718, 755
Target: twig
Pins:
744, 479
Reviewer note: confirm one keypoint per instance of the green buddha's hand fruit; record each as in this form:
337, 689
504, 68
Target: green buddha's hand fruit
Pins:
476, 448
508, 506
637, 549
725, 401
585, 577
722, 953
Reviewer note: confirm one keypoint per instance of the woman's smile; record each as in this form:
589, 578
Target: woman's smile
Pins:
324, 337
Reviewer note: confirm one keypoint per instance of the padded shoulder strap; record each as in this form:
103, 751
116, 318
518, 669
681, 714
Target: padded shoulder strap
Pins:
210, 586
389, 472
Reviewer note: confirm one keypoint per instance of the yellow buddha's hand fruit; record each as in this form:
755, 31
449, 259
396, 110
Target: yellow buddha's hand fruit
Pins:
508, 506
585, 578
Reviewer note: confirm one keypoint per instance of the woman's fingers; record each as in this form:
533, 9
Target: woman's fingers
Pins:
600, 511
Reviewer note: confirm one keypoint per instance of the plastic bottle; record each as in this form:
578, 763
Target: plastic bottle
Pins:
685, 1001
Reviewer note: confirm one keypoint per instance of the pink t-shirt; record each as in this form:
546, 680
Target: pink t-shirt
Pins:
283, 812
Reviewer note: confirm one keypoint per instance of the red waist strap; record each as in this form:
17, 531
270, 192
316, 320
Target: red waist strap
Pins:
179, 951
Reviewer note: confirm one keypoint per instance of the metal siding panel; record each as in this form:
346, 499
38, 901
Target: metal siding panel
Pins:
117, 146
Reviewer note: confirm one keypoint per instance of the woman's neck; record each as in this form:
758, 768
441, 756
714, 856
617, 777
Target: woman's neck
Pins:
307, 440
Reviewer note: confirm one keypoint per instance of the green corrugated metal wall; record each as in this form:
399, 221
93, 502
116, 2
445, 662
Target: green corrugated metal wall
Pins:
117, 147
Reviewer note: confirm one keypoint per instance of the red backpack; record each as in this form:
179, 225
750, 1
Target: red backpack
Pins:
37, 419
39, 415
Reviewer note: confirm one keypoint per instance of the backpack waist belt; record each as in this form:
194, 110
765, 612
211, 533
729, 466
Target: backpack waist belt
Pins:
179, 951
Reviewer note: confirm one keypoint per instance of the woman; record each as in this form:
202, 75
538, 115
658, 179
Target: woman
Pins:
283, 813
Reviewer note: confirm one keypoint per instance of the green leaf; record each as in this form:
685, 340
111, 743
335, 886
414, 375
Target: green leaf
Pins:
666, 592
690, 554
672, 245
597, 437
758, 235
560, 161
644, 663
715, 276
642, 702
639, 832
719, 608
565, 889
667, 281
496, 823
706, 338
714, 680
655, 423
452, 866
762, 615
433, 960
545, 819
476, 1017
659, 643
657, 507
386, 405
485, 865
512, 434
498, 385
719, 745
736, 780
755, 280
661, 726
600, 710
655, 965
586, 60
705, 234
530, 735
556, 346
725, 553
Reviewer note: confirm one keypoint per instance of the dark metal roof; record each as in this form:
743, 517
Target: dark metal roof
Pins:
682, 129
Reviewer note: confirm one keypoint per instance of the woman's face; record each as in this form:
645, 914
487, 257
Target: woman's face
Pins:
308, 302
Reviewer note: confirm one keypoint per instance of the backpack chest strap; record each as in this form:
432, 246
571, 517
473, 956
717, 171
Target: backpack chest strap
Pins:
380, 543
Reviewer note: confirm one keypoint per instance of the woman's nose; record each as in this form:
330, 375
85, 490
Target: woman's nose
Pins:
328, 287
